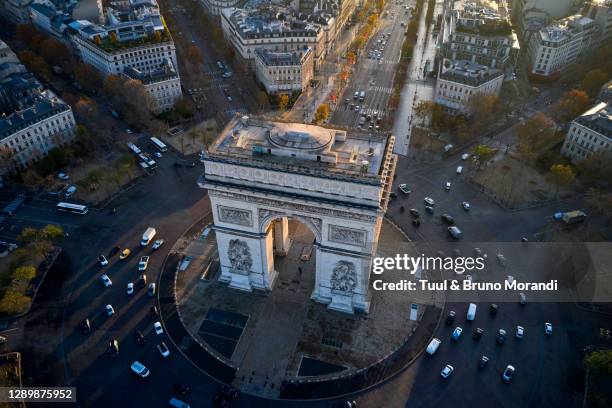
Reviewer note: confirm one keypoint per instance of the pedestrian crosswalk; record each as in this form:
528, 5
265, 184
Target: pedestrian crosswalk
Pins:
382, 89
13, 205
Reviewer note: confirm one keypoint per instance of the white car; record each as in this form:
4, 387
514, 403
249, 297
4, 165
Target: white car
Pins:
63, 176
466, 206
548, 329
429, 201
158, 328
447, 371
508, 373
163, 349
158, 243
106, 280
102, 260
520, 332
139, 369
130, 288
109, 310
447, 186
465, 156
158, 155
144, 262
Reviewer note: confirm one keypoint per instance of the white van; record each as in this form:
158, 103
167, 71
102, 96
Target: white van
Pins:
459, 169
433, 346
471, 312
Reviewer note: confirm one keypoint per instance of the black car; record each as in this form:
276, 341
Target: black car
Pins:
154, 311
483, 362
113, 348
493, 309
450, 318
447, 219
429, 209
415, 213
416, 222
85, 326
181, 388
140, 339
142, 280
478, 333
228, 392
113, 251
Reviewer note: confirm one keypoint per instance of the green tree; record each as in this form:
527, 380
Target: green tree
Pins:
283, 102
483, 153
13, 302
262, 100
88, 77
28, 235
593, 82
561, 175
194, 55
424, 109
322, 113
485, 109
534, 135
52, 232
599, 362
24, 273
571, 105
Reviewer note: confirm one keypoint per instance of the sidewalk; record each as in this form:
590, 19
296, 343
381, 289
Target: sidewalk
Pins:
310, 99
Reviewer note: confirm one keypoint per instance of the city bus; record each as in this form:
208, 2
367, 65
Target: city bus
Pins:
159, 144
73, 208
135, 149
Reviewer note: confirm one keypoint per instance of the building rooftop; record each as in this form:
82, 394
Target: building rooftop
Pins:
272, 58
598, 119
468, 72
163, 73
266, 21
565, 28
301, 148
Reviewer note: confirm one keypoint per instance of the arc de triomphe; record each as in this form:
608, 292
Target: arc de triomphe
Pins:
260, 174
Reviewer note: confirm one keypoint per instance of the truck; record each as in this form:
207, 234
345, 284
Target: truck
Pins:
148, 236
573, 217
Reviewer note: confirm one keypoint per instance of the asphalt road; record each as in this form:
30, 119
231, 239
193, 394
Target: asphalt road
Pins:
370, 76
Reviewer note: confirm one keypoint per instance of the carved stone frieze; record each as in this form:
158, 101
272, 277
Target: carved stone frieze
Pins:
344, 277
345, 235
236, 216
239, 256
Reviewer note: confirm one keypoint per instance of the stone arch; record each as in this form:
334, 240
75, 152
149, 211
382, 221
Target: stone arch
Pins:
266, 217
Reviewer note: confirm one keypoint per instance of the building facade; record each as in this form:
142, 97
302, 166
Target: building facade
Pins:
481, 33
214, 7
284, 71
459, 81
16, 11
260, 174
277, 30
556, 46
589, 133
34, 120
163, 86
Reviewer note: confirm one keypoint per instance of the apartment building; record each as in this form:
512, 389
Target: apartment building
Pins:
163, 86
282, 72
481, 32
280, 29
458, 81
556, 46
34, 119
589, 133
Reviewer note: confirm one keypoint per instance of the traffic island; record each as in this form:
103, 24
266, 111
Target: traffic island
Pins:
279, 343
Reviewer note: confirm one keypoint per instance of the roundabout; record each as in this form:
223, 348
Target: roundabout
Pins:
279, 344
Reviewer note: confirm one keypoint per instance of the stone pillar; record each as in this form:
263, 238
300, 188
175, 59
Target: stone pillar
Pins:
282, 242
